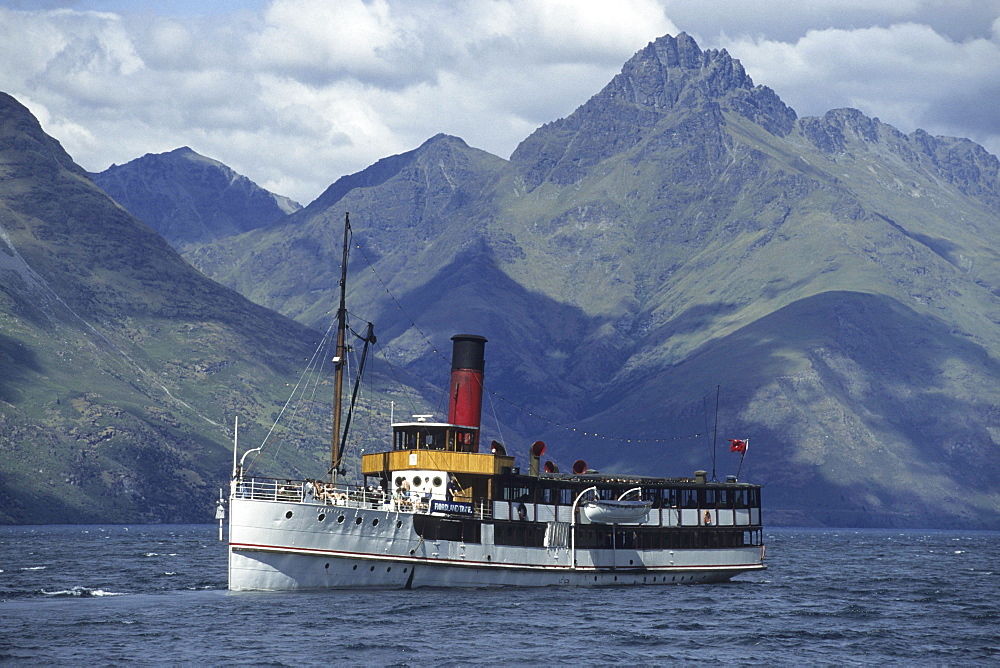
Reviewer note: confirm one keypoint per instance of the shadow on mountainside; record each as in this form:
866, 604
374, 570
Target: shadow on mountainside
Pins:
809, 369
539, 350
17, 363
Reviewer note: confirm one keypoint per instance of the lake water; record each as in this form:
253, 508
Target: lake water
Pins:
156, 595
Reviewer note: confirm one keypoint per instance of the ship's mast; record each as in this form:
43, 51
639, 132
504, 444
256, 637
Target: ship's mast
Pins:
340, 356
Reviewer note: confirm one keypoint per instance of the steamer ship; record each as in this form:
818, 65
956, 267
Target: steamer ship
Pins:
437, 509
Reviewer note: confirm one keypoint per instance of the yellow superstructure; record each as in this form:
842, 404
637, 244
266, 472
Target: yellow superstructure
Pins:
437, 460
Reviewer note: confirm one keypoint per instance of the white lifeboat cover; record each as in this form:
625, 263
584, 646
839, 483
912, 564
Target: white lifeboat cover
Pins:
617, 512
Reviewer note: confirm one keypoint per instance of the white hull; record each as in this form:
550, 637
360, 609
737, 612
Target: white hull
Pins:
276, 545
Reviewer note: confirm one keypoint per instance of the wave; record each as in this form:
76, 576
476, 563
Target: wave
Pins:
83, 592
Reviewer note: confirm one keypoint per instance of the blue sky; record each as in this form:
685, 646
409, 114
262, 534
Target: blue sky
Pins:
296, 93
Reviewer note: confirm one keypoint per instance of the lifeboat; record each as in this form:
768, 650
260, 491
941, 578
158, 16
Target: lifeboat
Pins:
617, 512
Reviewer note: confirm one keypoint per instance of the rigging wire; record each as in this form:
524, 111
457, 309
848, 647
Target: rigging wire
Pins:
392, 370
493, 409
303, 382
367, 338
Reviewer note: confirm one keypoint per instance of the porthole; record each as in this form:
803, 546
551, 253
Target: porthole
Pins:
595, 578
412, 552
375, 522
405, 570
388, 569
340, 520
399, 523
616, 578
630, 562
321, 517
437, 481
416, 481
489, 557
288, 515
372, 569
354, 568
358, 520
399, 481
327, 565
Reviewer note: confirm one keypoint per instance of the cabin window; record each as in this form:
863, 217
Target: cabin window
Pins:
435, 528
520, 534
688, 498
516, 494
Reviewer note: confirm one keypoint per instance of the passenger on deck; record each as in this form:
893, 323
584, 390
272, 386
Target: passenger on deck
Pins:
419, 501
403, 495
454, 490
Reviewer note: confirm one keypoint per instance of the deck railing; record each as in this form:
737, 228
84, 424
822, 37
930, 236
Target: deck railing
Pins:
341, 494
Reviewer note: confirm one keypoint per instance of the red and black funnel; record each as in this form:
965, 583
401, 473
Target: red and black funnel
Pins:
465, 400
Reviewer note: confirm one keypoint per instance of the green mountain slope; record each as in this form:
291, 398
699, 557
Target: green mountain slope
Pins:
121, 367
422, 198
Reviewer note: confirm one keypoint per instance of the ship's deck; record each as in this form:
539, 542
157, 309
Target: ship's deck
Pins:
344, 495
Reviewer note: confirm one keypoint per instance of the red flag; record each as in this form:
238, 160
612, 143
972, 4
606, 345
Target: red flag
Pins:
737, 445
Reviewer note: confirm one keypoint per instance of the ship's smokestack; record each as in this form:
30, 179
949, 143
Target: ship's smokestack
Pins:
465, 401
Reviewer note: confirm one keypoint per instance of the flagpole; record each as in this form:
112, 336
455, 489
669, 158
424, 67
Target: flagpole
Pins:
743, 455
715, 436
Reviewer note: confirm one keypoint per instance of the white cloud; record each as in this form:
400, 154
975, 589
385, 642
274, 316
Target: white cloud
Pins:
296, 93
321, 41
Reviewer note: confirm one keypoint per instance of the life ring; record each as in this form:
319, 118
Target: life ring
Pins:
708, 517
522, 512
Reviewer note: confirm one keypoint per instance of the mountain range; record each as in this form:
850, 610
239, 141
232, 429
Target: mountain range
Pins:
682, 238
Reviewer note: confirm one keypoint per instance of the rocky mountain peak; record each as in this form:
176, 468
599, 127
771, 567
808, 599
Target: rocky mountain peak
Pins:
671, 77
966, 165
439, 158
25, 148
190, 198
657, 76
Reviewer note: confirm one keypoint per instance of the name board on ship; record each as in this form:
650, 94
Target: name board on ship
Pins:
451, 507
